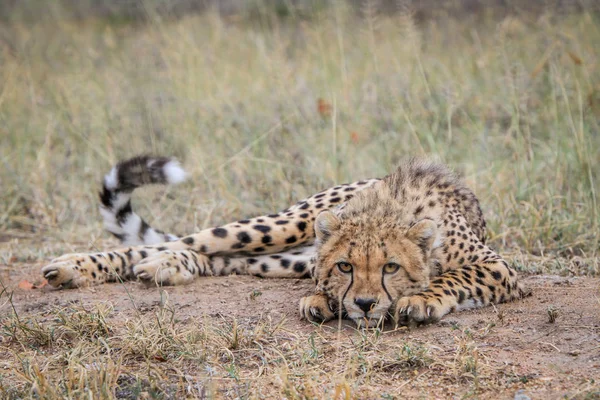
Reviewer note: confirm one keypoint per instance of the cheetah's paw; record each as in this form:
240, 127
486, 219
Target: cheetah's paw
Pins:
163, 269
316, 308
69, 271
417, 310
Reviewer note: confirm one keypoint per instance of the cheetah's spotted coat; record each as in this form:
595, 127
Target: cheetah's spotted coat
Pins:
410, 245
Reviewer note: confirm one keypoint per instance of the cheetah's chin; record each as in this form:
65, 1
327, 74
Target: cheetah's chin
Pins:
368, 322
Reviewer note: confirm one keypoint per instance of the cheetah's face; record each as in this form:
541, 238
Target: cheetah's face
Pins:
367, 266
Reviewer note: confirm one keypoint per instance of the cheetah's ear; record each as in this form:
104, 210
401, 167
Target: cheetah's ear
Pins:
425, 234
326, 223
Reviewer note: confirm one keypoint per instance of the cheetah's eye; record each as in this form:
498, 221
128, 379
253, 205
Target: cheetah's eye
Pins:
391, 268
344, 267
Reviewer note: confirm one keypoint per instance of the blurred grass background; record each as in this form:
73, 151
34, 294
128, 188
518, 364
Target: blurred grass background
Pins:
266, 102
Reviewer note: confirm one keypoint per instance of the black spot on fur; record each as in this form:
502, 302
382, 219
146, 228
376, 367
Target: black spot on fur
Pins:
267, 239
143, 229
262, 228
190, 240
264, 267
259, 249
143, 254
299, 266
335, 200
219, 232
291, 239
119, 236
243, 237
124, 212
203, 249
285, 263
106, 197
282, 222
497, 275
301, 225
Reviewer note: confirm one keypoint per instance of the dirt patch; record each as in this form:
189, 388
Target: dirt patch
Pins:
486, 353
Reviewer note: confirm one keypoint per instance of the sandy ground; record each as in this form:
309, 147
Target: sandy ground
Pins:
547, 360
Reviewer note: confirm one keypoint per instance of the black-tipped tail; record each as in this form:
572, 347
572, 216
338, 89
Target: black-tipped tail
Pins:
115, 197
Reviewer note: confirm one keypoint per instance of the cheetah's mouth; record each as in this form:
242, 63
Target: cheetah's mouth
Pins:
371, 320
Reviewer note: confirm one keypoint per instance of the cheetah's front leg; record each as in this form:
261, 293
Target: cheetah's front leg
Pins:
467, 287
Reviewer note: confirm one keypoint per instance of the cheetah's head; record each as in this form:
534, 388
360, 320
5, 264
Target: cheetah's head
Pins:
367, 264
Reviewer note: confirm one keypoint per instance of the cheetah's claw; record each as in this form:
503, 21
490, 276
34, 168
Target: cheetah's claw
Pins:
316, 309
417, 310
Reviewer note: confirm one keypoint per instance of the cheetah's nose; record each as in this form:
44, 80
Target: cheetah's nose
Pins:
365, 304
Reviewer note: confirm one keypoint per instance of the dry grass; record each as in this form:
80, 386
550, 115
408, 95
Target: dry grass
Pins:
156, 355
514, 105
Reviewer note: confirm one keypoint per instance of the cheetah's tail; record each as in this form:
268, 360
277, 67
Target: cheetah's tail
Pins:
118, 185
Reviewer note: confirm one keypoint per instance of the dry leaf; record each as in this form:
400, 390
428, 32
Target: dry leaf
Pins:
576, 59
323, 107
354, 137
26, 285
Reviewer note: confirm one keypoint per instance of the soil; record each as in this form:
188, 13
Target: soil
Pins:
548, 359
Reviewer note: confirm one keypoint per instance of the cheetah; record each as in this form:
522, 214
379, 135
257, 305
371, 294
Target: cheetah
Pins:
409, 247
